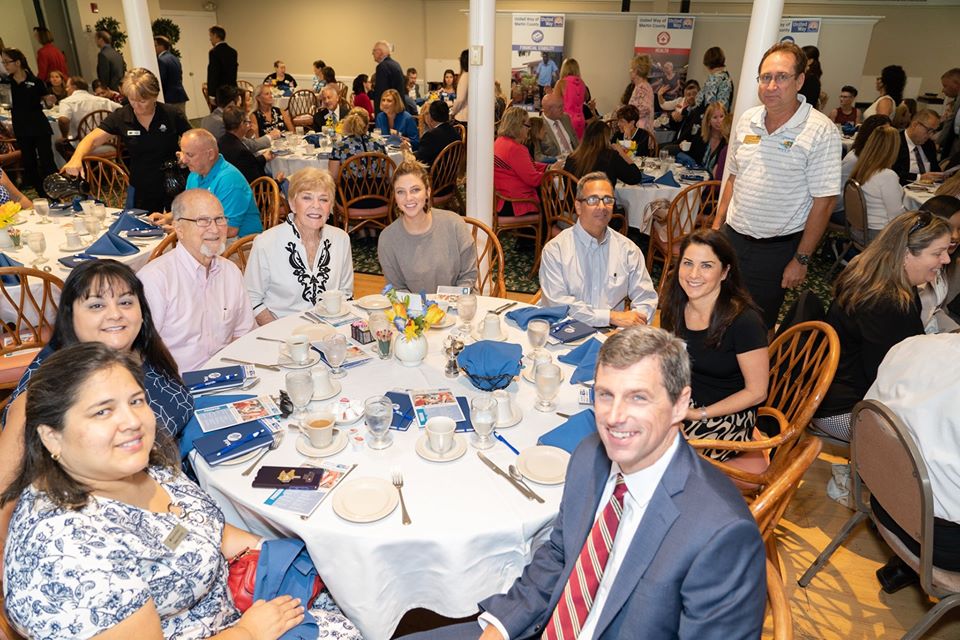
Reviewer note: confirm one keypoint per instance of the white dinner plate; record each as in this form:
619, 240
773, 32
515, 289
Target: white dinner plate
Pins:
543, 465
246, 457
365, 500
320, 313
286, 362
314, 332
424, 451
336, 445
373, 302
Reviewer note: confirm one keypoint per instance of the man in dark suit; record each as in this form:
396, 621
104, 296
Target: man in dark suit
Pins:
389, 74
917, 157
222, 65
234, 151
439, 132
171, 75
676, 550
110, 64
558, 136
332, 110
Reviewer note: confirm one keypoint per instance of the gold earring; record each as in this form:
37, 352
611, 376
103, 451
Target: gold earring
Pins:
55, 457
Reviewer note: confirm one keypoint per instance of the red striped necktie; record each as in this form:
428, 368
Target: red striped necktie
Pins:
577, 599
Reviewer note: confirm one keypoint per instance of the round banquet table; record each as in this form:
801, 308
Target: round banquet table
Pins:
636, 198
301, 155
56, 136
915, 194
472, 531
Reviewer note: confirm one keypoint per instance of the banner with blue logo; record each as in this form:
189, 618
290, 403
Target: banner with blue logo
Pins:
800, 31
667, 40
536, 52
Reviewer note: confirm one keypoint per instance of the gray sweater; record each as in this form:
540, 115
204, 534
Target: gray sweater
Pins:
444, 255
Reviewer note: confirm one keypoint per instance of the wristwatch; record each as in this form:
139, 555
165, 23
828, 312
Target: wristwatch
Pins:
802, 258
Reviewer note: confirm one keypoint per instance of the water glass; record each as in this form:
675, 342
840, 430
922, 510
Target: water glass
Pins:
378, 411
466, 309
38, 244
547, 379
537, 332
299, 386
483, 415
335, 350
42, 207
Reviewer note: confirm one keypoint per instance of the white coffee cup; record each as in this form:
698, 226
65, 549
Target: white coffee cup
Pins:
87, 206
685, 146
504, 406
321, 382
298, 348
542, 358
491, 326
318, 427
92, 224
73, 240
332, 301
440, 432
80, 225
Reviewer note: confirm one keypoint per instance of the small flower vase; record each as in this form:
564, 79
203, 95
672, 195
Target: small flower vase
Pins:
6, 242
410, 353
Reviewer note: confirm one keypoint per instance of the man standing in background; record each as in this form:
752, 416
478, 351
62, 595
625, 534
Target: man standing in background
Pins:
547, 73
222, 65
389, 74
171, 75
110, 64
949, 136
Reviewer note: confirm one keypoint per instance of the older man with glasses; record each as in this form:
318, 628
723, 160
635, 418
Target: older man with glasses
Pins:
917, 158
784, 175
593, 269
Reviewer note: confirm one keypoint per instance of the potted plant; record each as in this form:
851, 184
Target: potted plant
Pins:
111, 26
170, 29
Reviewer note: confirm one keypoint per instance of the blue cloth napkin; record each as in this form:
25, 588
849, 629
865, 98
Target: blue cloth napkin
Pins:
667, 180
146, 233
132, 211
110, 244
285, 568
490, 359
192, 430
129, 222
76, 203
687, 161
645, 178
75, 260
584, 358
848, 128
7, 261
569, 434
313, 138
523, 316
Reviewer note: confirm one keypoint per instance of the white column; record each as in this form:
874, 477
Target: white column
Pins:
480, 130
136, 17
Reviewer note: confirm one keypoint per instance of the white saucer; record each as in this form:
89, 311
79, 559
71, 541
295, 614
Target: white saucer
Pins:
512, 422
285, 361
344, 310
543, 465
335, 390
373, 302
246, 457
65, 249
448, 321
314, 332
425, 452
365, 500
527, 374
477, 335
337, 445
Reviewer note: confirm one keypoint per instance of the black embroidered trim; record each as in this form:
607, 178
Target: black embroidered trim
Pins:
313, 284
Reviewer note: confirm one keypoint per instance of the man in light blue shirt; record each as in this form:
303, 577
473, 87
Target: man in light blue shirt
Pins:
547, 73
208, 170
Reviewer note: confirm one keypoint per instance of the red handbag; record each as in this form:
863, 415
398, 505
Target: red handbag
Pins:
242, 578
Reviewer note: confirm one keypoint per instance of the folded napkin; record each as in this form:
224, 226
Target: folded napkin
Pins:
76, 260
312, 138
848, 128
110, 244
645, 178
7, 261
146, 233
129, 222
569, 434
523, 316
584, 358
687, 161
667, 180
77, 200
192, 430
491, 365
394, 141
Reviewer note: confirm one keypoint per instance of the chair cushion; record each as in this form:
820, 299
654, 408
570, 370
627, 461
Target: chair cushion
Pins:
755, 462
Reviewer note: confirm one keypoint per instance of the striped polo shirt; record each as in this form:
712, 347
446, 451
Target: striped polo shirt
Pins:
780, 173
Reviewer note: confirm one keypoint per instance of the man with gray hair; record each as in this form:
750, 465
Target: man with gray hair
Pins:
197, 298
917, 157
389, 73
593, 269
331, 110
651, 541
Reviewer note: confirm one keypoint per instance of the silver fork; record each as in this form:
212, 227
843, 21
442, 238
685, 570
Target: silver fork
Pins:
277, 439
398, 483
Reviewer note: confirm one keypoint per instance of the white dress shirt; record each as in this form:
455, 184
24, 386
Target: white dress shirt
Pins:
640, 487
79, 105
594, 277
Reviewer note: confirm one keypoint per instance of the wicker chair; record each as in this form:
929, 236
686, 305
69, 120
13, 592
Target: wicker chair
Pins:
489, 282
779, 605
108, 181
239, 251
525, 226
111, 148
167, 244
32, 297
266, 192
244, 85
558, 193
366, 178
692, 208
444, 173
302, 106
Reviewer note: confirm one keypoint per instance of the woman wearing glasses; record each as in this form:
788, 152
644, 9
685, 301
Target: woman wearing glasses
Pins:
876, 305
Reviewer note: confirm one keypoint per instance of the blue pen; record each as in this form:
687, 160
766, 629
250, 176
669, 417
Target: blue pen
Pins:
233, 445
211, 383
504, 441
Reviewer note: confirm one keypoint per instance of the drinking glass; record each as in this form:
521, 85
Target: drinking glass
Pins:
38, 244
466, 309
378, 411
335, 350
537, 332
100, 212
299, 385
547, 379
42, 207
664, 158
483, 415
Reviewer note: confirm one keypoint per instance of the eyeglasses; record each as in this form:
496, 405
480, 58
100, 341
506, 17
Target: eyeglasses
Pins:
924, 218
926, 128
203, 223
8, 62
767, 78
595, 200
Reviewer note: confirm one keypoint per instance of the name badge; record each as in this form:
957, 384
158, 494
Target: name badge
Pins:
133, 132
178, 535
751, 139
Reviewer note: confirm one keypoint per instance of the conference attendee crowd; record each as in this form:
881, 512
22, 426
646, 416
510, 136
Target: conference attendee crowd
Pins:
103, 530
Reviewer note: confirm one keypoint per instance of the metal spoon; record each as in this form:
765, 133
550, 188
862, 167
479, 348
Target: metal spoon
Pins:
516, 475
277, 439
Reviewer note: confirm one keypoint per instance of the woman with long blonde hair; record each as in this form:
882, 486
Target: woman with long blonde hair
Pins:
572, 89
881, 188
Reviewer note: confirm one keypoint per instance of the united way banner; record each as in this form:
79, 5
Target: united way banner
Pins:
800, 31
667, 40
537, 41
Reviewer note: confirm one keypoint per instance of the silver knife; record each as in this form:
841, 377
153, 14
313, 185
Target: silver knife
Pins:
500, 472
271, 367
500, 310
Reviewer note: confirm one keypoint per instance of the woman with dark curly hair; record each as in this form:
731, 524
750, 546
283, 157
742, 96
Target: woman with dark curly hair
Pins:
890, 84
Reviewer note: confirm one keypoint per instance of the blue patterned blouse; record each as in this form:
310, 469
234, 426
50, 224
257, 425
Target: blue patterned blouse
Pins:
4, 194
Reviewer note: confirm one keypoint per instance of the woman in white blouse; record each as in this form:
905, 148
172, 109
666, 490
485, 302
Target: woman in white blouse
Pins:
459, 109
292, 264
880, 184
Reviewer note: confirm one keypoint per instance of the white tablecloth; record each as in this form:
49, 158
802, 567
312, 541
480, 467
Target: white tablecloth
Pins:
635, 198
472, 532
54, 129
305, 155
914, 198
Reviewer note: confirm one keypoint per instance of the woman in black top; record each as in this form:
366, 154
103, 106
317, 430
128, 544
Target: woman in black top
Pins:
595, 154
705, 303
149, 130
30, 124
811, 76
627, 129
876, 305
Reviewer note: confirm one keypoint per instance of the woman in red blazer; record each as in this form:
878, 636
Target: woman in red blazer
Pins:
515, 174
